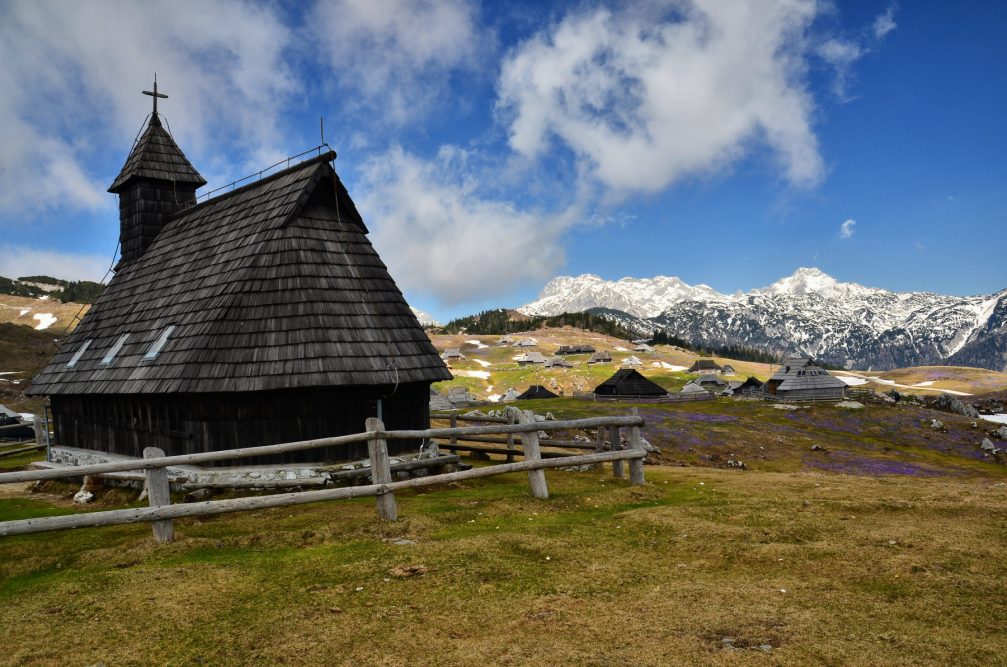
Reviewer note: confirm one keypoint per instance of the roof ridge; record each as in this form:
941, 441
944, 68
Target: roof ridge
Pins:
319, 159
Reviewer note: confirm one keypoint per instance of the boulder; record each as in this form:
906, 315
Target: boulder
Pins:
936, 424
1002, 432
988, 447
949, 403
82, 497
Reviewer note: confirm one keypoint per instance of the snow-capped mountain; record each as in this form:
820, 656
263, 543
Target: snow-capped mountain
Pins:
808, 312
642, 297
426, 319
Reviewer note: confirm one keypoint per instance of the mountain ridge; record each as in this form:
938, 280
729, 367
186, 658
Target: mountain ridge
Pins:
808, 312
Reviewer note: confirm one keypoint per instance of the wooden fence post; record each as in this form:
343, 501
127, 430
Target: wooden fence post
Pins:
453, 440
618, 467
510, 438
529, 443
381, 472
636, 443
158, 493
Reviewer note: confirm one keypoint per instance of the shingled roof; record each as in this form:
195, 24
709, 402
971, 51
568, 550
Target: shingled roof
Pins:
156, 155
629, 382
272, 286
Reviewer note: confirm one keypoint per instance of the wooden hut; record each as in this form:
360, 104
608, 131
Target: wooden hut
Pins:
558, 362
693, 389
260, 316
710, 381
575, 349
529, 358
801, 379
631, 362
704, 366
750, 386
728, 369
536, 391
600, 357
452, 353
627, 382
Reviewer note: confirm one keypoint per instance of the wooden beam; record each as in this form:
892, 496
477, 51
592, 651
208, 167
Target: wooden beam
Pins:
529, 443
636, 443
159, 495
618, 468
381, 474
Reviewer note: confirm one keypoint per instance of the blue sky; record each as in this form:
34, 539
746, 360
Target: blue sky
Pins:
493, 147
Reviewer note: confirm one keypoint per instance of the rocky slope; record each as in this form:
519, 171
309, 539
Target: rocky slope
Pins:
808, 312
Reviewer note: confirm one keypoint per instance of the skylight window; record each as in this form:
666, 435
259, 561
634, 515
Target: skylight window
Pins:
78, 354
107, 359
156, 346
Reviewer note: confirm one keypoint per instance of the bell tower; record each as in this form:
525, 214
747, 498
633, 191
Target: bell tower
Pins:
156, 181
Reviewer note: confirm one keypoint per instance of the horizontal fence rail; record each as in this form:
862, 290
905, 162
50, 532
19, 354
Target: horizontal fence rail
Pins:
161, 512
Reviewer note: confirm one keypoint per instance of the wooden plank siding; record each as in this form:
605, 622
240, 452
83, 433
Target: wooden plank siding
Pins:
194, 423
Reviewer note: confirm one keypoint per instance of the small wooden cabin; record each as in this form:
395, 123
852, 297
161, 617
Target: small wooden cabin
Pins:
628, 382
704, 366
536, 391
801, 379
260, 316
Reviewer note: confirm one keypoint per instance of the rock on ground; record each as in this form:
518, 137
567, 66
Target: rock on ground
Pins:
949, 403
850, 405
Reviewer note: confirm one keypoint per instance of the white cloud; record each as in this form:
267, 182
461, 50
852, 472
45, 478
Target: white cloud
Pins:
846, 229
19, 260
439, 236
644, 99
393, 57
884, 23
75, 85
841, 56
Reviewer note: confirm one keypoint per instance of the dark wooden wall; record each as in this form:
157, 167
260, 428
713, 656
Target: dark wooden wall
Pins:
143, 206
188, 423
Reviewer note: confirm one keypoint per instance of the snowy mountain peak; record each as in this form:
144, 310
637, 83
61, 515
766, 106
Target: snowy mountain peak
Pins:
642, 297
804, 280
841, 323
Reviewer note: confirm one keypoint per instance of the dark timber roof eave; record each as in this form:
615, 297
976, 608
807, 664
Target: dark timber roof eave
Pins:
156, 156
272, 286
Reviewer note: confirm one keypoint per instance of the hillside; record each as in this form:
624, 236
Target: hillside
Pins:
489, 369
843, 324
42, 313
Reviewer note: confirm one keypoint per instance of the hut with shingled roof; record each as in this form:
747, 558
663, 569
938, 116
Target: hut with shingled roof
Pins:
536, 391
259, 316
629, 383
801, 379
704, 366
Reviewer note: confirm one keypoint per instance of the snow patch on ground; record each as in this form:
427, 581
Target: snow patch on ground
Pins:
484, 364
478, 344
619, 348
857, 380
10, 373
24, 311
45, 320
668, 367
998, 419
482, 375
493, 398
44, 298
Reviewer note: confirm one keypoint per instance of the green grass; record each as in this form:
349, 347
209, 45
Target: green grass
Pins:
601, 573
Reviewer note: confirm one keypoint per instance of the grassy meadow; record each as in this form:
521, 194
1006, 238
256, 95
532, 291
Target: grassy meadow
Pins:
701, 566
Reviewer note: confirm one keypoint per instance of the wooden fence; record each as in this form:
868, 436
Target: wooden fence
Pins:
161, 512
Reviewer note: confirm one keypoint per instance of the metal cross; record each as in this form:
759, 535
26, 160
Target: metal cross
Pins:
155, 94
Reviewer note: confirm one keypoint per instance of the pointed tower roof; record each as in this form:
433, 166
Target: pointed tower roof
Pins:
157, 156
